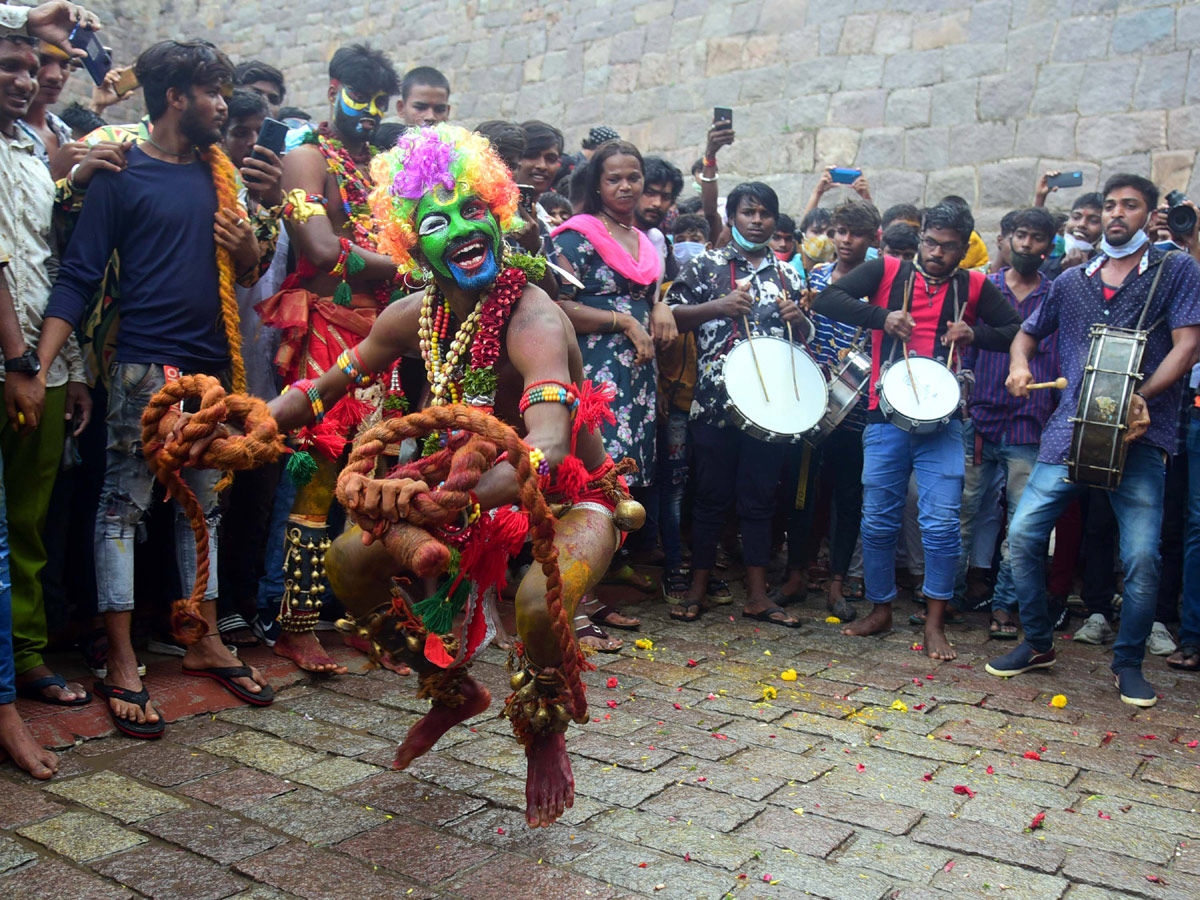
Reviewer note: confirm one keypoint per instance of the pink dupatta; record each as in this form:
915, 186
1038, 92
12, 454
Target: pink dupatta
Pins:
646, 269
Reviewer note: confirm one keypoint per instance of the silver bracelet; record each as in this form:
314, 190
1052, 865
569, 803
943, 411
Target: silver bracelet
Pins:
716, 177
71, 180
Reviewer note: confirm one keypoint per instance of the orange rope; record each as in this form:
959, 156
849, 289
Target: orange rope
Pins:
225, 181
167, 454
458, 468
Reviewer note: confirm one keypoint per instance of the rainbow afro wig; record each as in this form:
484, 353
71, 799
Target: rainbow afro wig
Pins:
444, 156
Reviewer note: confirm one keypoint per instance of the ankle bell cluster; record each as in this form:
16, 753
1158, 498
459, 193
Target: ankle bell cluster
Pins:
536, 707
304, 579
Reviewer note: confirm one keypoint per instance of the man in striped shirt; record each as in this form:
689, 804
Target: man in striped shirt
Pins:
1007, 429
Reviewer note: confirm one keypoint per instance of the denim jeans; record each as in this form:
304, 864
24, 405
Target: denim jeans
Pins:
270, 586
890, 456
1189, 630
1017, 461
672, 479
1137, 504
8, 675
128, 489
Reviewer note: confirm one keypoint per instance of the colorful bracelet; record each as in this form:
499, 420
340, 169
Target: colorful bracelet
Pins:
340, 266
710, 162
548, 392
537, 461
474, 510
314, 397
354, 367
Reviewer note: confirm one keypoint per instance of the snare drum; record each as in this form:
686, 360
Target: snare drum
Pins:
846, 387
928, 408
1112, 373
778, 414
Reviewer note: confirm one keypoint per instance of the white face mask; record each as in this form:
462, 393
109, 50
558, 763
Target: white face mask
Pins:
1131, 246
1070, 243
686, 251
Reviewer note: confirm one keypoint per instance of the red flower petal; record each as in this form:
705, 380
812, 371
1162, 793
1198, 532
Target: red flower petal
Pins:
612, 682
1032, 754
963, 789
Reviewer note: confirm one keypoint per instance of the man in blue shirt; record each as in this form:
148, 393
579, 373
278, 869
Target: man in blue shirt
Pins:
162, 212
1112, 290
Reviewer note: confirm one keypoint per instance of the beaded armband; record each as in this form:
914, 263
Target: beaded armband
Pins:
549, 392
350, 363
314, 397
300, 206
537, 461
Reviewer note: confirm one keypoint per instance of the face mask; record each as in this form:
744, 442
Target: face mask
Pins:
1071, 243
819, 249
1026, 263
745, 244
448, 224
1131, 246
686, 251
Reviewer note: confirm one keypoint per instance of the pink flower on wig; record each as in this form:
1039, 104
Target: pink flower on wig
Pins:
427, 161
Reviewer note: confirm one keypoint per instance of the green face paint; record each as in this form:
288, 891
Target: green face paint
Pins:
459, 237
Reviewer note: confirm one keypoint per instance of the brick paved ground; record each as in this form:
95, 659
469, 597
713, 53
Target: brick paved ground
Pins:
875, 774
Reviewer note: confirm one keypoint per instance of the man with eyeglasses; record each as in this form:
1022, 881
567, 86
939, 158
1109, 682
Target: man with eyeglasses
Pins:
921, 307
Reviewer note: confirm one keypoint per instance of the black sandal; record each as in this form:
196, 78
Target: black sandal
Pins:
143, 730
32, 690
592, 630
1189, 658
997, 633
687, 611
765, 616
224, 676
675, 585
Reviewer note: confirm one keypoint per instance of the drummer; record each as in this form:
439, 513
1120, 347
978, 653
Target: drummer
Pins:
716, 295
947, 306
1111, 290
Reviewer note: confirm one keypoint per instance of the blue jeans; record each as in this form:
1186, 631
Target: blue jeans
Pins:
270, 586
1017, 461
128, 488
1137, 504
1189, 630
672, 479
8, 675
890, 456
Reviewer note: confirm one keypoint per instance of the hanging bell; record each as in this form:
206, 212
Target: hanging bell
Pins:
517, 681
629, 515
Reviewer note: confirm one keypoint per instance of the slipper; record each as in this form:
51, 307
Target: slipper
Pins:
996, 632
230, 625
144, 730
1189, 658
32, 690
854, 589
779, 598
718, 592
675, 585
598, 617
765, 616
687, 611
593, 630
224, 676
842, 609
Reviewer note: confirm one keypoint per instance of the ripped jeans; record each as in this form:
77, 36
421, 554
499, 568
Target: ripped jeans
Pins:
128, 489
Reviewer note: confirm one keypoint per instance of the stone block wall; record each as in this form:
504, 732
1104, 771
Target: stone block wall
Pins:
928, 96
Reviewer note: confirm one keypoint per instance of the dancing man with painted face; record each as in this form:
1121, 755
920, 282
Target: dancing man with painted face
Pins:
489, 339
341, 283
931, 310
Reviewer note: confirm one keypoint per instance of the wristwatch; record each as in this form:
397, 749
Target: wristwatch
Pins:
27, 363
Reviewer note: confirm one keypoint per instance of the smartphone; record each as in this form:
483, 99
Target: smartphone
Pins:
1065, 179
98, 61
723, 114
845, 176
528, 194
126, 82
271, 135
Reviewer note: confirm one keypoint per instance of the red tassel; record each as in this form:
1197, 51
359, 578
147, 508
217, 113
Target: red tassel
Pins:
485, 557
595, 408
571, 478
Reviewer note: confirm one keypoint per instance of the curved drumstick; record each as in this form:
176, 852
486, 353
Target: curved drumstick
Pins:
1060, 383
907, 365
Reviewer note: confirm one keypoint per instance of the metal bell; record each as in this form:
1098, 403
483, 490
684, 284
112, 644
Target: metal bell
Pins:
629, 515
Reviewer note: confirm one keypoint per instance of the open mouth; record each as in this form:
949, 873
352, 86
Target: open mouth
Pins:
471, 255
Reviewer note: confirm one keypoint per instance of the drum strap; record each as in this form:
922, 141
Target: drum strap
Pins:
1162, 264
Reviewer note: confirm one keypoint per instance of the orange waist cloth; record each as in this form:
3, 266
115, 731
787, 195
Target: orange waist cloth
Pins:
315, 330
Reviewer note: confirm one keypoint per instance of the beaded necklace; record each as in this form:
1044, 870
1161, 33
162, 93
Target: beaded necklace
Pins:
352, 187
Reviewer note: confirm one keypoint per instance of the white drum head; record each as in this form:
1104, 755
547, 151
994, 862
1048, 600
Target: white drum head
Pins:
782, 413
937, 394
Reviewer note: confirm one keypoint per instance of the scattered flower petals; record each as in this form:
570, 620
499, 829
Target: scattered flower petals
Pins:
644, 644
766, 653
1058, 701
918, 646
1149, 737
499, 831
612, 704
928, 776
612, 682
711, 697
899, 706
929, 678
918, 706
1155, 879
677, 706
1103, 815
991, 771
963, 789
1037, 822
769, 693
767, 879
861, 767
1032, 754
692, 662
641, 865
1192, 745
833, 620
788, 675
687, 857
948, 866
702, 778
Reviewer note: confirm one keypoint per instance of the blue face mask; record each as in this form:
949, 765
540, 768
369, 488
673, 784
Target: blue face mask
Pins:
745, 244
686, 251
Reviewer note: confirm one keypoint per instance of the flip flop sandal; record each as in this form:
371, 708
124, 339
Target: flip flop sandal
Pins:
592, 630
627, 576
1189, 659
718, 592
224, 676
228, 626
144, 730
675, 585
32, 690
687, 612
843, 610
598, 618
953, 617
779, 598
997, 633
765, 616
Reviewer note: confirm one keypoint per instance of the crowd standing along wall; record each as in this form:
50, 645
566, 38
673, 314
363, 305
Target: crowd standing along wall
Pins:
929, 97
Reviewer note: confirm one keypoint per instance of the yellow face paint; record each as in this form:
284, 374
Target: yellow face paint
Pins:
373, 108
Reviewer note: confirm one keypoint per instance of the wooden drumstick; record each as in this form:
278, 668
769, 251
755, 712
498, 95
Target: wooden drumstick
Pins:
754, 354
907, 364
792, 359
1060, 383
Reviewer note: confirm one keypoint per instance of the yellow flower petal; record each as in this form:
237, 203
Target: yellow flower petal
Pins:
769, 693
833, 620
1058, 701
644, 644
899, 706
788, 675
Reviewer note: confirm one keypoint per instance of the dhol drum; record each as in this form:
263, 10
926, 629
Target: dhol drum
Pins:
1112, 374
846, 387
774, 408
923, 403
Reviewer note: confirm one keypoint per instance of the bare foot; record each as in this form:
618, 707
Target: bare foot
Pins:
18, 743
615, 619
210, 652
362, 645
549, 784
439, 720
876, 621
52, 692
306, 651
936, 644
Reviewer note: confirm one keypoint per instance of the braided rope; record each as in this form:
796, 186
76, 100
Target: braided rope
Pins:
459, 467
168, 454
225, 181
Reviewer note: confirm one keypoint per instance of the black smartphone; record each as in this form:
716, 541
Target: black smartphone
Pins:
271, 135
1065, 179
98, 60
528, 194
723, 114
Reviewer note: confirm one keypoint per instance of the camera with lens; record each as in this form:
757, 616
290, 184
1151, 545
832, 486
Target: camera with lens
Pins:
1181, 218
